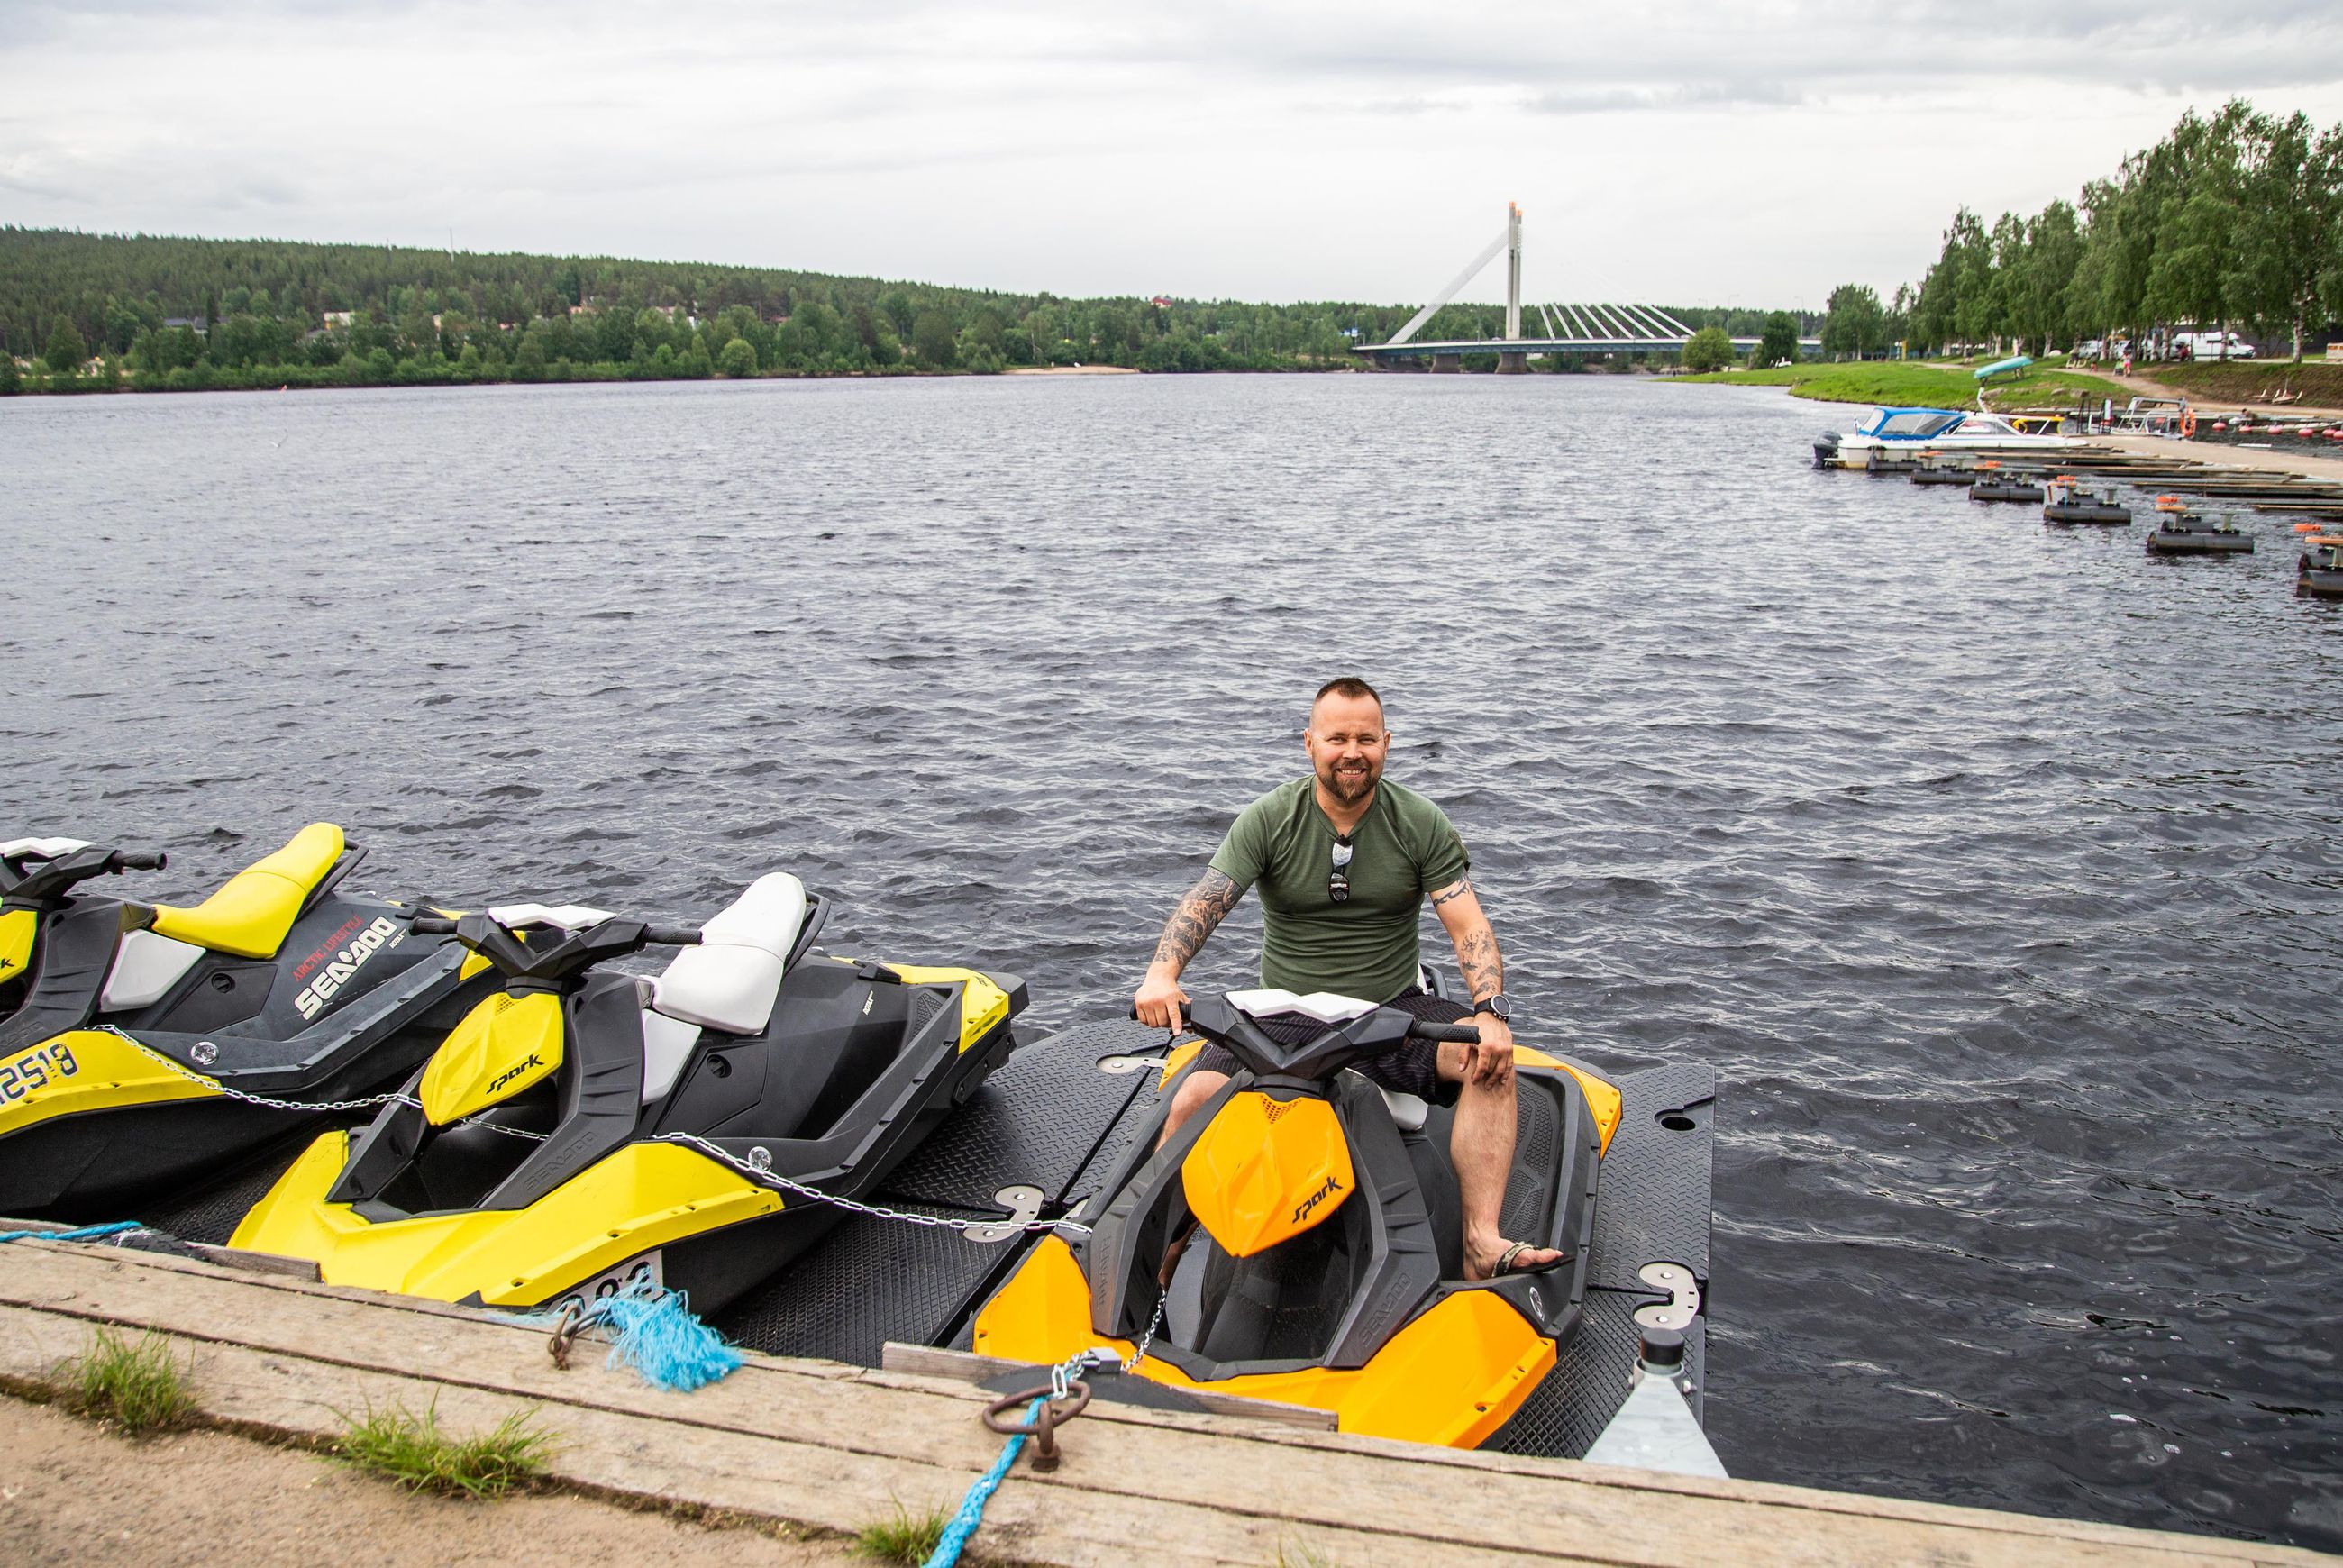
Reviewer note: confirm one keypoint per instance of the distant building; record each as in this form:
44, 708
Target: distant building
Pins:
192, 322
335, 319
1161, 302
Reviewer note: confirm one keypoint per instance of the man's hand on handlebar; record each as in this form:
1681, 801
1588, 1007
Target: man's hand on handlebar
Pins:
1159, 1001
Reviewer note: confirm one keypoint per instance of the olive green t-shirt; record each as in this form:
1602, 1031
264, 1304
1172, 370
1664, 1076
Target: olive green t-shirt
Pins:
1365, 947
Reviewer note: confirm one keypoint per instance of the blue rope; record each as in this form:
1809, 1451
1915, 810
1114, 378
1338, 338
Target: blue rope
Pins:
652, 1329
85, 1233
970, 1512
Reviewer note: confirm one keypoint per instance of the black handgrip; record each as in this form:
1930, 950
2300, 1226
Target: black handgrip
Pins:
672, 936
140, 861
431, 926
1463, 1033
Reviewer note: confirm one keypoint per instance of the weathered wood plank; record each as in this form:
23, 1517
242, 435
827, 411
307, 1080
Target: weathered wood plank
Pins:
966, 1366
1233, 1485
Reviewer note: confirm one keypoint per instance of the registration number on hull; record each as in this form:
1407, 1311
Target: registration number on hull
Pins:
37, 1069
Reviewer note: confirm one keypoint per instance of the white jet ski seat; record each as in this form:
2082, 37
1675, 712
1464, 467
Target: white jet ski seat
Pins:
729, 982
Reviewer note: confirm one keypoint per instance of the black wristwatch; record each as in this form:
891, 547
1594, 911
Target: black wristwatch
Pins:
1496, 1007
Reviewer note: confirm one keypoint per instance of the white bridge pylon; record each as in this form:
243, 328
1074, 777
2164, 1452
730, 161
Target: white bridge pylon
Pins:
1509, 240
1580, 327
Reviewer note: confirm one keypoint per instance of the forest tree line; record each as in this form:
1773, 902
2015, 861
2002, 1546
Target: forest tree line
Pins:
85, 312
2234, 221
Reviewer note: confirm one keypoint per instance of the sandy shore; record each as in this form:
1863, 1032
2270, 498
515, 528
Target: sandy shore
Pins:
72, 1492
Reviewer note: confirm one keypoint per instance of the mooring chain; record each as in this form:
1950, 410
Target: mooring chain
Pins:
765, 1176
395, 1096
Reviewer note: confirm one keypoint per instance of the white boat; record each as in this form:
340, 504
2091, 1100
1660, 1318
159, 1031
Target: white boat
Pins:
1900, 433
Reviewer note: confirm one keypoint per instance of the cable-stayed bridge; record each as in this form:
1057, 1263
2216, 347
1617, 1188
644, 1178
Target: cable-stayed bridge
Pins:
1569, 328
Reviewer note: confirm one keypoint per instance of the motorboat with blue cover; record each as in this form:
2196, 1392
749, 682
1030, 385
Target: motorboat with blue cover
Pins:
1893, 434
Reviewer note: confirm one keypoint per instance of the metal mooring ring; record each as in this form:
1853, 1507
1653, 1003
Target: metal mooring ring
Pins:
1042, 1428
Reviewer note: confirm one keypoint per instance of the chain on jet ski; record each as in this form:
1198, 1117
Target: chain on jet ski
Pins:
372, 1101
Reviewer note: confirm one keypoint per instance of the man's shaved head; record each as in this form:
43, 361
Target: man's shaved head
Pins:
1347, 686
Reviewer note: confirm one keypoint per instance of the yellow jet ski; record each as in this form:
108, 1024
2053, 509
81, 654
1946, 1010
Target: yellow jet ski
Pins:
147, 1049
1300, 1238
583, 1129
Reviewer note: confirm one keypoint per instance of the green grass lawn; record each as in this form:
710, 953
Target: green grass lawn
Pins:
1937, 385
2246, 381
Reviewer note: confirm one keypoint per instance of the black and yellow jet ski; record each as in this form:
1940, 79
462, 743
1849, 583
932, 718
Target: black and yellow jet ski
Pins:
583, 1127
1300, 1238
135, 1040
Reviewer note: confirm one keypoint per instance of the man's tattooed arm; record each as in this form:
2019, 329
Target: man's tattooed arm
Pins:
1477, 957
1459, 891
1199, 914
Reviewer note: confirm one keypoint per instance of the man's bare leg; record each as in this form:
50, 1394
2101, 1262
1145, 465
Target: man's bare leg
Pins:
1481, 1146
1195, 1090
1198, 1087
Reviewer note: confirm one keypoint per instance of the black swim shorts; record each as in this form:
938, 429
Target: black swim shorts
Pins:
1412, 1069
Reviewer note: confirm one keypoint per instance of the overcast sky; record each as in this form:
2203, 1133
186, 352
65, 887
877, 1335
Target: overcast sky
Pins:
1683, 154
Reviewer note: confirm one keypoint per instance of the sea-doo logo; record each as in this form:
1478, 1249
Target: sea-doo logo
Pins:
1302, 1210
345, 962
509, 1073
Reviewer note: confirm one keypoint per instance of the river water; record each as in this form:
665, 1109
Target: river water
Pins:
1994, 868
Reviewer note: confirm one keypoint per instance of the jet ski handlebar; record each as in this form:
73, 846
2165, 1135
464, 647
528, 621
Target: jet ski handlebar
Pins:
1341, 1044
44, 872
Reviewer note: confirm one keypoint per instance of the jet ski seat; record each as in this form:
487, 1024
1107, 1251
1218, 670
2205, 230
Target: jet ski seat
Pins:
729, 982
249, 916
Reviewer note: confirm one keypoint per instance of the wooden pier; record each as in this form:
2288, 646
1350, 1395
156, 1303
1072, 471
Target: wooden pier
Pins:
830, 1447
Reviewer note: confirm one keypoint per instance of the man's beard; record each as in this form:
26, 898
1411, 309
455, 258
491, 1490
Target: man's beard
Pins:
1351, 787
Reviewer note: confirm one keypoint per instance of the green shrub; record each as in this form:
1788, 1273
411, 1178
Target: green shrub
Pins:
907, 1538
139, 1386
411, 1451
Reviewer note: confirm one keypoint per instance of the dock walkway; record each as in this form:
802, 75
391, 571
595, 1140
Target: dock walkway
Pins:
832, 1447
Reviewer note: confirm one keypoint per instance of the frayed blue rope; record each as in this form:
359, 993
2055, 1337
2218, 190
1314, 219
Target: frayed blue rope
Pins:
87, 1233
970, 1512
652, 1329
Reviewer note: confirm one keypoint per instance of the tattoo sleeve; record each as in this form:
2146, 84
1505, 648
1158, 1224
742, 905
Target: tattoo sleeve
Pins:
1199, 914
1477, 957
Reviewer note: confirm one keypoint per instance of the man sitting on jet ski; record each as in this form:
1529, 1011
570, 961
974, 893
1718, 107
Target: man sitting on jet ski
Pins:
1344, 862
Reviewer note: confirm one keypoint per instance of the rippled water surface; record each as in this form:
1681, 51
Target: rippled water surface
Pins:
1994, 868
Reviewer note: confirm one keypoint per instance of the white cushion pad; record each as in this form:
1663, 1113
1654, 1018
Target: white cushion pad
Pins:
1406, 1109
144, 967
730, 980
41, 849
667, 1046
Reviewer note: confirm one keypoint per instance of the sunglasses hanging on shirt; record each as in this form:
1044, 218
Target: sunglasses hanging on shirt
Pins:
1338, 884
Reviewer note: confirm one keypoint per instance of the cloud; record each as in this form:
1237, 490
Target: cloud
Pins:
1295, 151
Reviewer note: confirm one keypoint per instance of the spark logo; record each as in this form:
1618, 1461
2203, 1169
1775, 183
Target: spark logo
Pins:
509, 1073
1302, 1210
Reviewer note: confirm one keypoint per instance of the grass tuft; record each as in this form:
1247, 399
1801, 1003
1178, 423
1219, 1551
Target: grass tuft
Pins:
411, 1451
139, 1386
907, 1538
1293, 1553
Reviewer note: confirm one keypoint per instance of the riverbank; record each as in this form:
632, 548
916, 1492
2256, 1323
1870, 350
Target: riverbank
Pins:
1917, 384
798, 1446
